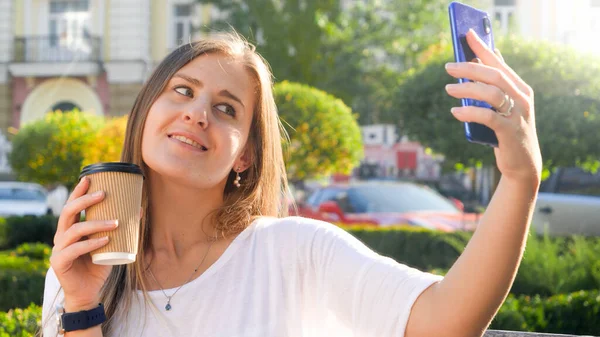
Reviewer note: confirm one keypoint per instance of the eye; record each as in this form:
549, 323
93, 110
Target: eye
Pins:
185, 91
226, 108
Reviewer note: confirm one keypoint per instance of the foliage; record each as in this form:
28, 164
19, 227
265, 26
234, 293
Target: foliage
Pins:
34, 251
324, 135
51, 150
28, 228
417, 247
21, 280
576, 313
108, 142
287, 33
567, 101
547, 260
354, 51
21, 322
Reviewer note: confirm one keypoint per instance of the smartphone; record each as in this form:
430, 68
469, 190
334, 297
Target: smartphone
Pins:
463, 18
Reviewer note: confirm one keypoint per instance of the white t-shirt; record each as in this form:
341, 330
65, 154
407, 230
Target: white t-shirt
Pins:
279, 277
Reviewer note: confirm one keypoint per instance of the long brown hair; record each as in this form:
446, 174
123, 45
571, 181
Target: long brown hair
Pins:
264, 188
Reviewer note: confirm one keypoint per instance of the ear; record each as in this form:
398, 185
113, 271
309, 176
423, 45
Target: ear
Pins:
246, 159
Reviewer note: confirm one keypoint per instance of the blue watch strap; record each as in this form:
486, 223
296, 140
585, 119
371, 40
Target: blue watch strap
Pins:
83, 319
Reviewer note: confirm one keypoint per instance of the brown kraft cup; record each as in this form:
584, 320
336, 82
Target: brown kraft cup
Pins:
122, 184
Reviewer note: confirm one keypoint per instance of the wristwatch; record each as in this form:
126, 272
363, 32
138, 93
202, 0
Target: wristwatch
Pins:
85, 319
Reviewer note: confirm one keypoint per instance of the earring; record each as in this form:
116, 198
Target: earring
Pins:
236, 182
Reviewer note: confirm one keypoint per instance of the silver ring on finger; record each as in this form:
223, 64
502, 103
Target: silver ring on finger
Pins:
511, 106
506, 98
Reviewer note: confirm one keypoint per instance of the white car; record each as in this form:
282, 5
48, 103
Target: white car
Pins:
569, 203
19, 199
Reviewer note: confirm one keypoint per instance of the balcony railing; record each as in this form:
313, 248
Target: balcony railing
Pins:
57, 49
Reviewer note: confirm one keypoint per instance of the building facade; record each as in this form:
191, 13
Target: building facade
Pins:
93, 55
574, 23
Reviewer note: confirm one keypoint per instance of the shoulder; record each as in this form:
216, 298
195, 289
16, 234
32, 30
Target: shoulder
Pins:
302, 231
293, 224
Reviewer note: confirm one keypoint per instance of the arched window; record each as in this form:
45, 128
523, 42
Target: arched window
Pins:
65, 106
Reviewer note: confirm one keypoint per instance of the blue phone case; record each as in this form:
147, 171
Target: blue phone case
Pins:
463, 18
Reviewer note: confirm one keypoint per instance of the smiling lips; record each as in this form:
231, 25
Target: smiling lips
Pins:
188, 141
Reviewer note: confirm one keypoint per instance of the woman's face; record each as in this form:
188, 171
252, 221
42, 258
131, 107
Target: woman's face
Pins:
196, 130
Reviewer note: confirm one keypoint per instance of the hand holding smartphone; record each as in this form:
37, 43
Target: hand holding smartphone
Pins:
462, 19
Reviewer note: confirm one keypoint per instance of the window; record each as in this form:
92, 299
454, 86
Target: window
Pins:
503, 13
580, 182
65, 106
183, 14
21, 194
69, 29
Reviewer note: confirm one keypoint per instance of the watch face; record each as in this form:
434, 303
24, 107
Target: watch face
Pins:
60, 310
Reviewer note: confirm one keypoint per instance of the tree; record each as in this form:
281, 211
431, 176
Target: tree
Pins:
51, 150
355, 53
107, 144
324, 136
287, 33
567, 100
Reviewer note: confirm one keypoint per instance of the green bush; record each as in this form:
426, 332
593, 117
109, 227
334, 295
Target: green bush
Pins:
3, 233
417, 247
21, 322
324, 135
547, 262
51, 150
34, 251
21, 280
576, 313
18, 230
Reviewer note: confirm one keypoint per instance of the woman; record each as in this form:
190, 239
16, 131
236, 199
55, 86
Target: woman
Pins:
218, 257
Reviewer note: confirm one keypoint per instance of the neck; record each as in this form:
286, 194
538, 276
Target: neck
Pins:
181, 215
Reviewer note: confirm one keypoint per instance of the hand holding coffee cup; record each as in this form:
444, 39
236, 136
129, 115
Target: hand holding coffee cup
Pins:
80, 278
122, 184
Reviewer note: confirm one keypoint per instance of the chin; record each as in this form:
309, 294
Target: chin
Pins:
179, 173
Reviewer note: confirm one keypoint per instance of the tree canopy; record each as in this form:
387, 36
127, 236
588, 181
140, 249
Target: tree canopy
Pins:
355, 52
567, 102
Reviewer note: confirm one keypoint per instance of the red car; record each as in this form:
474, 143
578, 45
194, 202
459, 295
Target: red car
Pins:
386, 204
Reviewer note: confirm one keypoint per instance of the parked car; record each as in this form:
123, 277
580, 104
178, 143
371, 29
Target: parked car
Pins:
386, 204
569, 203
19, 199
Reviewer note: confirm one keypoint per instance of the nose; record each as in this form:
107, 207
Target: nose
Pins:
197, 113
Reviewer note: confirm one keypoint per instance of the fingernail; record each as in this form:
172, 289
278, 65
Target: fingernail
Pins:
114, 223
103, 239
82, 180
97, 193
455, 110
451, 65
450, 86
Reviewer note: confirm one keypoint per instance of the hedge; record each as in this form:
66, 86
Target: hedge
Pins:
22, 276
576, 313
417, 247
17, 230
21, 322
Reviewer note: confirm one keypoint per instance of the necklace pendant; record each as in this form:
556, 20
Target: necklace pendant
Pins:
168, 306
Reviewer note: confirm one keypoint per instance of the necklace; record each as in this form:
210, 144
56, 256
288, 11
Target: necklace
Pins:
168, 306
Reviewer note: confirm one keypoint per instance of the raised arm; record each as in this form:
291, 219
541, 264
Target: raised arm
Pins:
465, 301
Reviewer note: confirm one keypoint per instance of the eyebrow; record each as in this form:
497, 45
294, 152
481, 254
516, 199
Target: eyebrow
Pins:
197, 83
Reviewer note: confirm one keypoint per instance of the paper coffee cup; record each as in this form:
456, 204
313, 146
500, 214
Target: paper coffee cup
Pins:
122, 184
